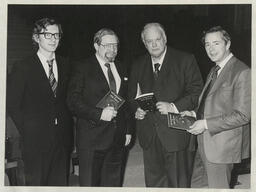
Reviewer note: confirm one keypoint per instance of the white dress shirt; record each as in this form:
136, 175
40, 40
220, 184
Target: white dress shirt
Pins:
45, 65
113, 69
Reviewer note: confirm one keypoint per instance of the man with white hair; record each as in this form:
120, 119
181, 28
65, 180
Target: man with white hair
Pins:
174, 78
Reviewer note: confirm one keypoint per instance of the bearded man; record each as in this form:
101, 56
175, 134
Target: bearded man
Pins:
102, 134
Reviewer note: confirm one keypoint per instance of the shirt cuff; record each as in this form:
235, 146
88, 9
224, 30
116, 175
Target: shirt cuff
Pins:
205, 124
174, 108
193, 113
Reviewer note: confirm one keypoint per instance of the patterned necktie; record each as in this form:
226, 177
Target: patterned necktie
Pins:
112, 82
52, 79
156, 72
211, 81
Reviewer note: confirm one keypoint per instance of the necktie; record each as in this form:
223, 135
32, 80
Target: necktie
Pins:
213, 77
112, 82
52, 79
156, 72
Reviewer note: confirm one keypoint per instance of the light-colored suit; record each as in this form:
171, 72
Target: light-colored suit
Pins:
227, 111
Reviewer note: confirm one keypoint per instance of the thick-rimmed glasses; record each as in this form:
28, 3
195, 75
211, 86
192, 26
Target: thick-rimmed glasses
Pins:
50, 35
110, 45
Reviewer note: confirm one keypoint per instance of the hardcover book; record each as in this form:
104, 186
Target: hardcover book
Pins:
176, 121
111, 99
147, 102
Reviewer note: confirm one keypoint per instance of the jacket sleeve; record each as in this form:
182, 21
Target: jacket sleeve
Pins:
192, 87
132, 88
75, 99
241, 109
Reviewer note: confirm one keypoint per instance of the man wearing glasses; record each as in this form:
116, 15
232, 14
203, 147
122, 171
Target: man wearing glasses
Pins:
102, 134
36, 101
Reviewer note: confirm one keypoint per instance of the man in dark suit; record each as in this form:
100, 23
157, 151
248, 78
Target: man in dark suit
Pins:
102, 134
223, 113
36, 101
174, 78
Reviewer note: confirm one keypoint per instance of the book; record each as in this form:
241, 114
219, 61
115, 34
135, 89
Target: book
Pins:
147, 101
111, 99
177, 121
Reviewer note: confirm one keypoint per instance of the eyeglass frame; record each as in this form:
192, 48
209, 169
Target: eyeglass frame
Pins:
110, 45
52, 35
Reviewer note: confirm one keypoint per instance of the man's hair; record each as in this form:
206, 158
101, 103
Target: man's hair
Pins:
42, 24
102, 32
226, 36
156, 25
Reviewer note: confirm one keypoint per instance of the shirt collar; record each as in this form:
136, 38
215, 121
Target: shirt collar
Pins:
101, 61
224, 62
161, 60
43, 58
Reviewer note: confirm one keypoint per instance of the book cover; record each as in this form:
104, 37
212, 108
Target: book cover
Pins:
176, 121
147, 101
111, 99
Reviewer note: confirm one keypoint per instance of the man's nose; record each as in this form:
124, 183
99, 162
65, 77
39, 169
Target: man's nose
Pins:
154, 44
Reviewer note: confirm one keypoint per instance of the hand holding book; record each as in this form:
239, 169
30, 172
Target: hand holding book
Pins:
147, 102
178, 121
111, 99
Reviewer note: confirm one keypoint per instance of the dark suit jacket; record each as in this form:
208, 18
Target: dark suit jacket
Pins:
33, 108
179, 82
87, 87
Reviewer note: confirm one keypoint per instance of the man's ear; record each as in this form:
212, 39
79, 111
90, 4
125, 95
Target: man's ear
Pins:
96, 46
228, 45
36, 38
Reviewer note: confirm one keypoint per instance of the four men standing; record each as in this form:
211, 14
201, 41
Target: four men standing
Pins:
36, 100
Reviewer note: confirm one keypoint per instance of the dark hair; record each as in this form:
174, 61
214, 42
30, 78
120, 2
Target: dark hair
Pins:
42, 24
102, 32
226, 36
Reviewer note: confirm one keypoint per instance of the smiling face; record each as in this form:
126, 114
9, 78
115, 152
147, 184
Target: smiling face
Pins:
216, 47
108, 48
154, 42
47, 46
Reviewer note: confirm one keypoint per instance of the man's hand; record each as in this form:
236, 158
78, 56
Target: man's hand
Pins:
188, 113
108, 113
128, 138
197, 128
165, 107
140, 114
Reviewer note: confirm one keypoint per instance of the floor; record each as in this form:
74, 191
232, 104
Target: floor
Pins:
134, 174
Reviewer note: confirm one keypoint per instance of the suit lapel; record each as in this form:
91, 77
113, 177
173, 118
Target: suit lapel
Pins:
120, 73
222, 76
60, 75
98, 73
148, 76
40, 76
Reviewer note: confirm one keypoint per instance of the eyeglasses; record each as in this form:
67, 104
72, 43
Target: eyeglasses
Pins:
110, 45
49, 35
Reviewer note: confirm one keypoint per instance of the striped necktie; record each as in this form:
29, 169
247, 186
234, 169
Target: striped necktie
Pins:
52, 79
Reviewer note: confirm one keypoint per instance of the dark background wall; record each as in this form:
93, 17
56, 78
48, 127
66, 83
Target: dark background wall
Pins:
183, 23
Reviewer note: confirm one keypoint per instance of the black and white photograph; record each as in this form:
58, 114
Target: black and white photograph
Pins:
71, 76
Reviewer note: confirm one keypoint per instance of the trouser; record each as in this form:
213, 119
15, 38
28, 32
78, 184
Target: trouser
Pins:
101, 167
47, 168
207, 174
167, 169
